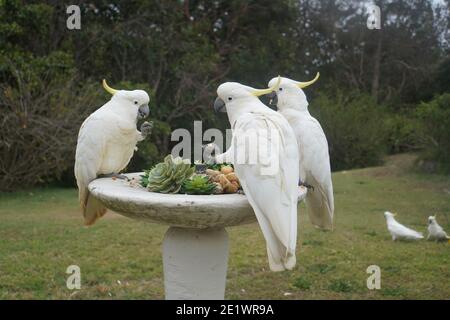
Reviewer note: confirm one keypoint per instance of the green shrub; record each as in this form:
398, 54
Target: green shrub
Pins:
342, 285
435, 119
355, 128
322, 268
302, 283
403, 133
393, 292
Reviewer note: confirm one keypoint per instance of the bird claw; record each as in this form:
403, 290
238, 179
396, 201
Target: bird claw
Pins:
208, 151
273, 99
304, 184
146, 128
210, 147
115, 176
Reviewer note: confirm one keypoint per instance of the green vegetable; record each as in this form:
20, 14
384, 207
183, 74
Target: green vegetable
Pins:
198, 184
218, 166
168, 176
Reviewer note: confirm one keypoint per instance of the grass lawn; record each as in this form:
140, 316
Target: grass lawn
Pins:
41, 234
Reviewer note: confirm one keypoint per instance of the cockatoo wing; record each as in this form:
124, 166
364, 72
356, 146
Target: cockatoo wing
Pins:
88, 158
273, 197
320, 204
440, 233
400, 231
436, 232
315, 169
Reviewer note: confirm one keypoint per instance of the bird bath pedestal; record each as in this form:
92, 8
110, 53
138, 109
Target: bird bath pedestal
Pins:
195, 247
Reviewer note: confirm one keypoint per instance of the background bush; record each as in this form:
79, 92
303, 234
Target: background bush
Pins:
355, 128
435, 120
180, 51
42, 109
403, 132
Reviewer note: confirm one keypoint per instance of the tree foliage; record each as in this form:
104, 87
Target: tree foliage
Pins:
435, 116
355, 128
181, 50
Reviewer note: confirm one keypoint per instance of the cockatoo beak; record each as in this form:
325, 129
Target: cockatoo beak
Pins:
273, 99
219, 105
143, 111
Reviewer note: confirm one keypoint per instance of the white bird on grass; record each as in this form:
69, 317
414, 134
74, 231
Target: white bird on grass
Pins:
106, 143
399, 231
435, 231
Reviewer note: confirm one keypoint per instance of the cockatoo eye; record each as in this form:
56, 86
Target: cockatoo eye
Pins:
230, 98
135, 102
281, 89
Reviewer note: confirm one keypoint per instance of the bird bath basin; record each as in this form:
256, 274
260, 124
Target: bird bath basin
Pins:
195, 247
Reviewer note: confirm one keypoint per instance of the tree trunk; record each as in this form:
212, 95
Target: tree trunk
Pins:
376, 70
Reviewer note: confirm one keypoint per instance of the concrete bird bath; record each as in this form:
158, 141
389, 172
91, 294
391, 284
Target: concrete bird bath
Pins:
195, 247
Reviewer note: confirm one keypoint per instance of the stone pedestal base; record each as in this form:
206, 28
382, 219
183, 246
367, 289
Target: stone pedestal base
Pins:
195, 263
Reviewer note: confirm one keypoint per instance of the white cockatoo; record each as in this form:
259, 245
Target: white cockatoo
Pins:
106, 142
265, 157
435, 231
314, 160
399, 231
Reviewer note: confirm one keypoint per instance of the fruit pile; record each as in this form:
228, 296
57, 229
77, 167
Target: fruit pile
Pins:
225, 179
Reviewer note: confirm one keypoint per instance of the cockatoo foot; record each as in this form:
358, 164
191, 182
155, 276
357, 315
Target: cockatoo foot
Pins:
211, 160
115, 176
209, 152
304, 184
290, 262
146, 128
